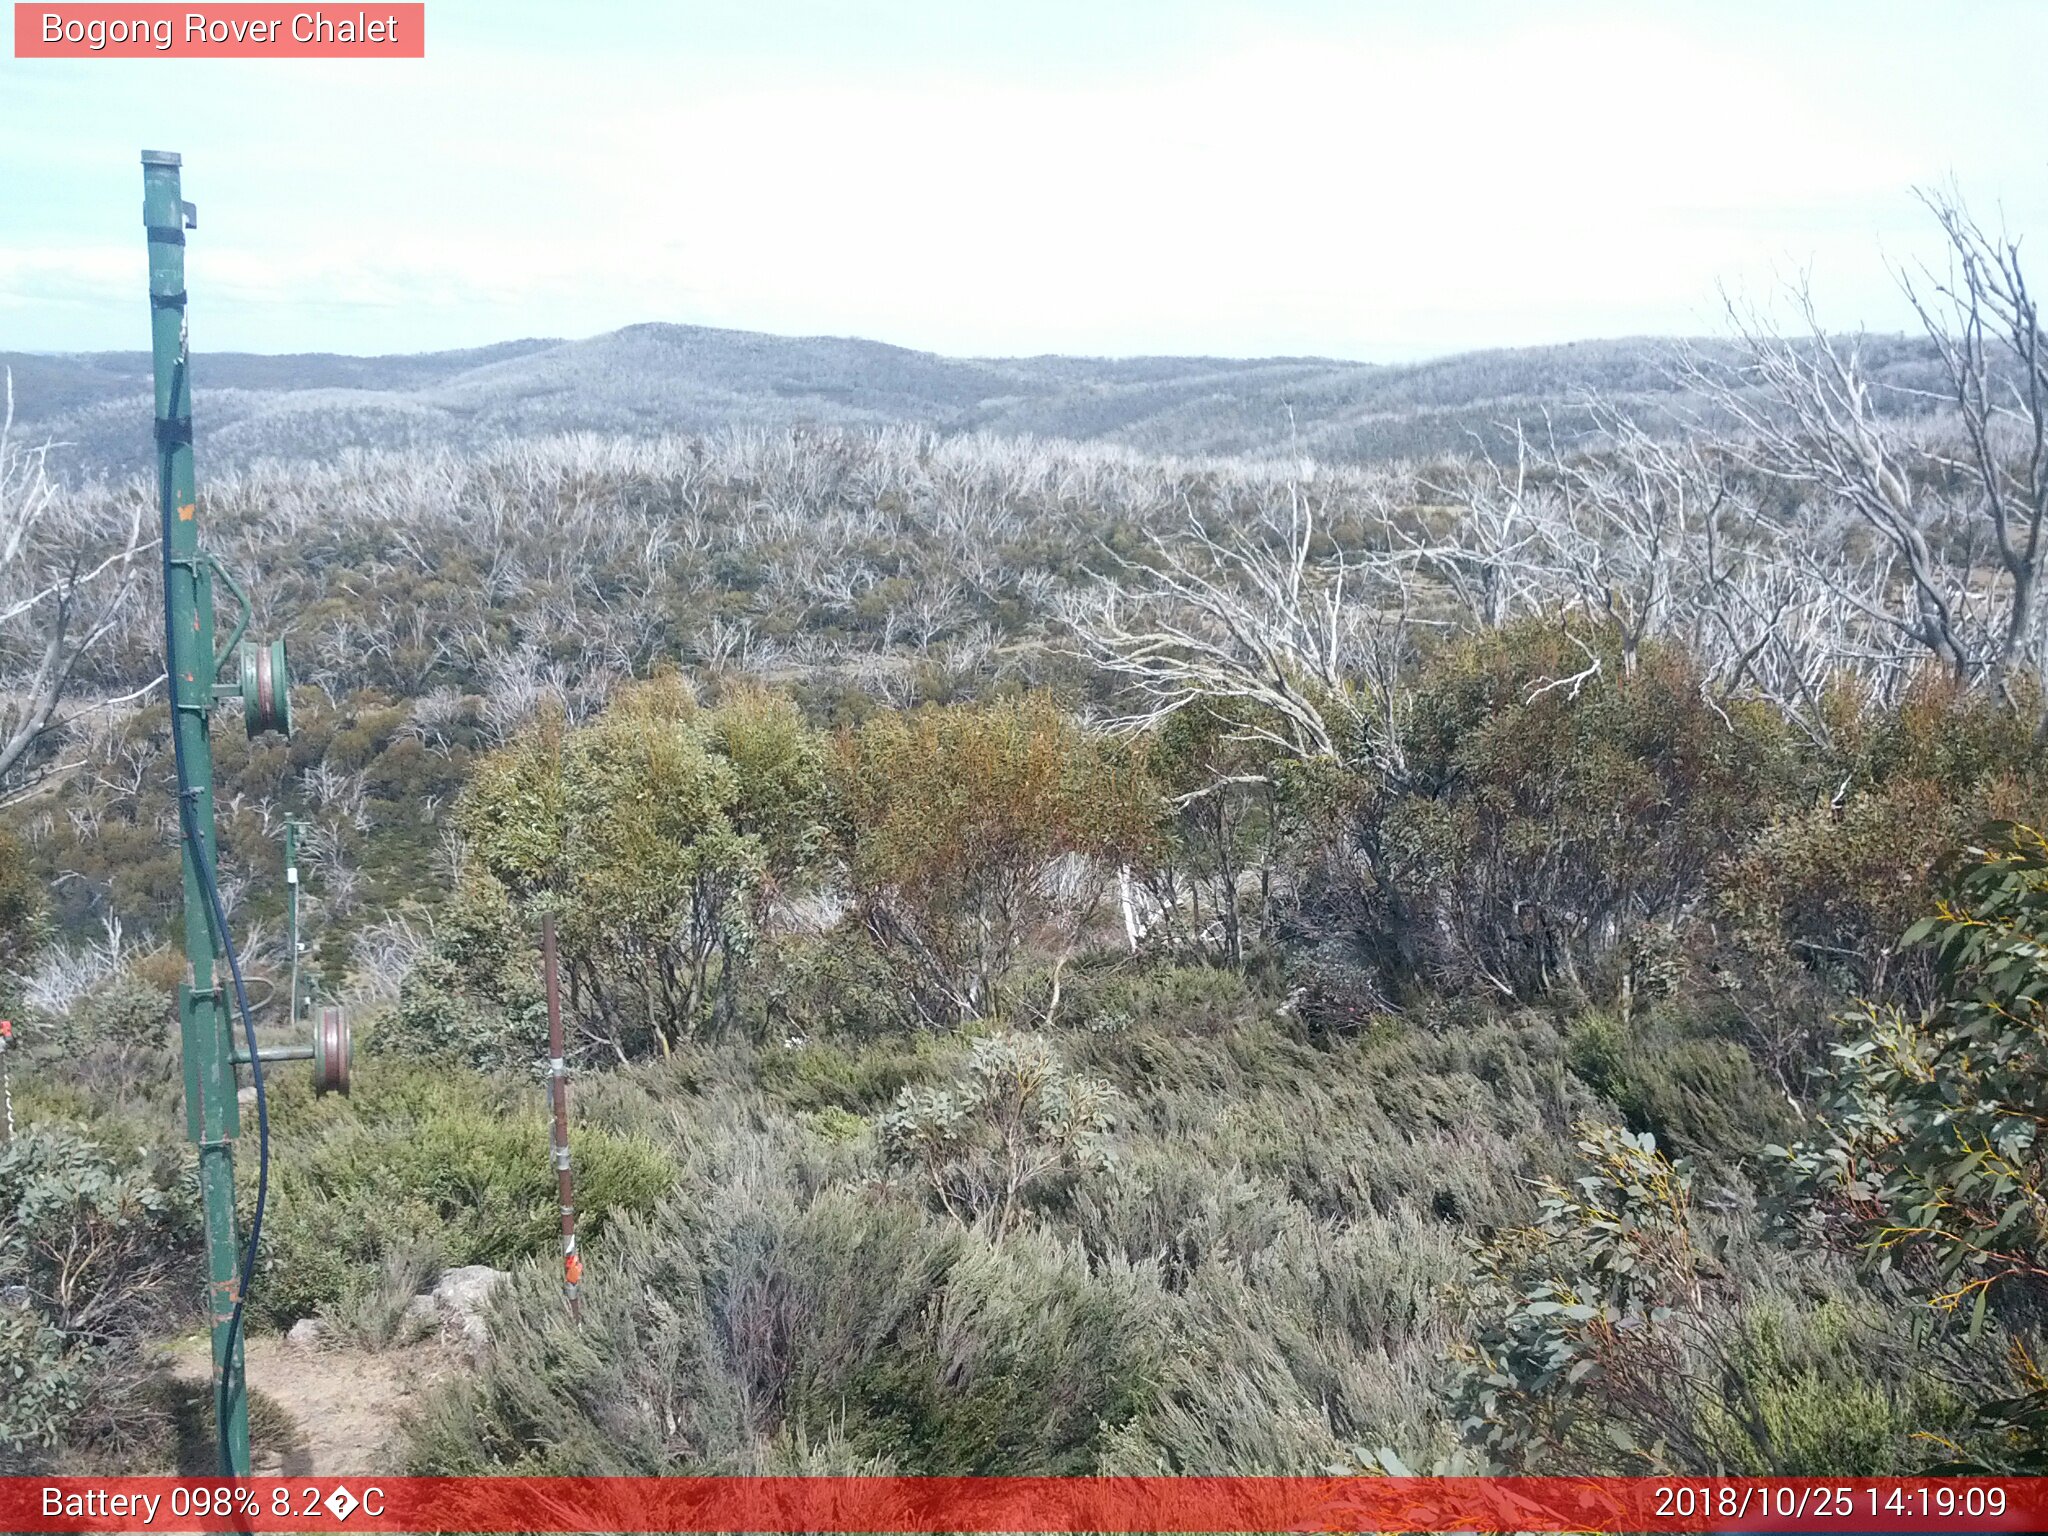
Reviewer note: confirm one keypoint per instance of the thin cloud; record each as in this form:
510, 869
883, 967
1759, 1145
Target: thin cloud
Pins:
1379, 184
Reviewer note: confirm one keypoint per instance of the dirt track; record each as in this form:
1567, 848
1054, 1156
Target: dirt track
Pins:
341, 1406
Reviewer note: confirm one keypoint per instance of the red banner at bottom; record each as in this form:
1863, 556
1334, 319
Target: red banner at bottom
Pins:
1109, 1504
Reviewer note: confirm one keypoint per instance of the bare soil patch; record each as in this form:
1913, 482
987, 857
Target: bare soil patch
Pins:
313, 1413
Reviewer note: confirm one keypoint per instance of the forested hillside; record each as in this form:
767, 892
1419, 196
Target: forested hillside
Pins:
1080, 958
649, 380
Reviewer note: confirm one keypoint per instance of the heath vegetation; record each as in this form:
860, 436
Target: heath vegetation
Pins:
1086, 961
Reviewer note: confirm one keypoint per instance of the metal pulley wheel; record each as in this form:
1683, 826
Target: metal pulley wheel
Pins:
331, 1052
266, 689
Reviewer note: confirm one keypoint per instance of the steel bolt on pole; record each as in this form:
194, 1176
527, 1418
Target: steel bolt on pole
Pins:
212, 1116
558, 1092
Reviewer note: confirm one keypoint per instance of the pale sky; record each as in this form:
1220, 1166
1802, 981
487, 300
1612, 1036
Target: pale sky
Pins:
1367, 180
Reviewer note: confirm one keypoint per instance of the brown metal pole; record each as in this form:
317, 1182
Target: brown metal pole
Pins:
558, 1075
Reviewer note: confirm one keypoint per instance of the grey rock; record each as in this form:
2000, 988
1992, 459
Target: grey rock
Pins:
464, 1293
454, 1308
306, 1333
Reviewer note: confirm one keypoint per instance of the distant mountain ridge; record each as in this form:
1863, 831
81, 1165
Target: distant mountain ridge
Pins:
654, 378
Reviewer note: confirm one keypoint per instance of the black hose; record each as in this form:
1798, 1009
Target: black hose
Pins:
217, 915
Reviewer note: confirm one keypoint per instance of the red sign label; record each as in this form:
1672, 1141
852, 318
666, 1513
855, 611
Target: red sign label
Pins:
264, 31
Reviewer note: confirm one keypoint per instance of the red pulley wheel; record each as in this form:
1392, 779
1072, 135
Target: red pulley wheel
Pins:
331, 1050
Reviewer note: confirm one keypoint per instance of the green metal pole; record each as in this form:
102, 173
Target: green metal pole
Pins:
212, 1117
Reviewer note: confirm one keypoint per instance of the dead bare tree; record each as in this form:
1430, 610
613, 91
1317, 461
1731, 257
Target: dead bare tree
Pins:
1490, 557
1308, 640
1938, 494
1633, 509
63, 583
1986, 325
1819, 427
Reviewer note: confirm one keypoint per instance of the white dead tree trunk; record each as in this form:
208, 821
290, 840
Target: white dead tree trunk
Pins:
1300, 646
1491, 558
1959, 504
61, 592
1818, 426
1308, 643
1634, 506
1986, 325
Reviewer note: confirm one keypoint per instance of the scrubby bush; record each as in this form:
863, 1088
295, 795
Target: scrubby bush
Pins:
377, 1306
1014, 1124
44, 1387
1616, 1335
125, 1011
1021, 1363
834, 984
1173, 999
1931, 1153
637, 1386
1233, 823
1695, 1090
657, 834
1929, 1157
95, 1253
1555, 810
447, 1162
859, 1079
22, 920
1595, 1352
96, 1237
1282, 1354
475, 997
742, 1336
975, 830
1834, 883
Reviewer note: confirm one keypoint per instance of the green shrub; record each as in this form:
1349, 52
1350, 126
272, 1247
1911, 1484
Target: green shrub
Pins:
1019, 1365
725, 1339
949, 818
862, 1078
102, 1243
22, 919
1833, 1388
635, 1388
1551, 820
444, 1160
1835, 883
1704, 1096
1617, 1335
99, 1237
836, 984
1161, 1207
43, 1387
124, 1011
475, 997
375, 1309
1283, 1352
656, 833
1928, 1157
1181, 999
1587, 1354
1013, 1125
